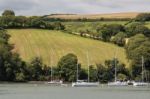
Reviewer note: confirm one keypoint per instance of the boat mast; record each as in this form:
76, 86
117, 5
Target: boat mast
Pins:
142, 69
115, 71
51, 68
115, 66
88, 66
77, 72
52, 52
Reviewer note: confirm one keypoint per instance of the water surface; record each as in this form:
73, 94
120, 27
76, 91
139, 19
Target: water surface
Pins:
44, 91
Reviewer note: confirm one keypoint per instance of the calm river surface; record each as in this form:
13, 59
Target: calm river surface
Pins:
44, 91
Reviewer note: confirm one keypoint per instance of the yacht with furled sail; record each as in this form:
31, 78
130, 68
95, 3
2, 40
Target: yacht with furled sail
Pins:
117, 82
142, 83
54, 82
82, 83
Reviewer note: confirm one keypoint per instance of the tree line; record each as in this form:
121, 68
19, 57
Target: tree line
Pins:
139, 17
9, 20
143, 17
114, 33
47, 18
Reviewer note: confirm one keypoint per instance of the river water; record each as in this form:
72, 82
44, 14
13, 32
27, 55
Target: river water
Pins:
44, 91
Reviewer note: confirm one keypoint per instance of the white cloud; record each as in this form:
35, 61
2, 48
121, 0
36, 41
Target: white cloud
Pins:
41, 7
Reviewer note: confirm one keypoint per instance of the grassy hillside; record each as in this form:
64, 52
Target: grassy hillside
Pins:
76, 26
147, 24
95, 16
54, 44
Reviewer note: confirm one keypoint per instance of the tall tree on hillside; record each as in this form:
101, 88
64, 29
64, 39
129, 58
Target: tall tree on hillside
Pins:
143, 17
137, 28
58, 26
8, 13
107, 31
119, 39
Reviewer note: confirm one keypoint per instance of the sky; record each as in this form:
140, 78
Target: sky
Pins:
46, 7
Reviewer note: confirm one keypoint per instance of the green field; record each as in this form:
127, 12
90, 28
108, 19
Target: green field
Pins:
76, 26
147, 24
95, 16
51, 45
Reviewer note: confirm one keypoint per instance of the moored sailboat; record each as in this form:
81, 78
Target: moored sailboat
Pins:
117, 83
54, 82
142, 83
82, 83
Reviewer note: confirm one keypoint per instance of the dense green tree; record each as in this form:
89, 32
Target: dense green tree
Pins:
14, 22
49, 25
120, 68
19, 68
134, 44
4, 56
93, 74
82, 32
8, 13
103, 74
119, 38
107, 31
20, 22
138, 47
37, 22
143, 17
137, 28
7, 21
82, 73
67, 66
12, 68
58, 26
122, 77
36, 68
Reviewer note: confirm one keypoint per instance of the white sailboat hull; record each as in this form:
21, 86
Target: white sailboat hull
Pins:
85, 84
118, 83
140, 84
55, 82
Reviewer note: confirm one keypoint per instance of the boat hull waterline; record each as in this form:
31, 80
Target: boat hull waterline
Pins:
85, 84
140, 84
118, 84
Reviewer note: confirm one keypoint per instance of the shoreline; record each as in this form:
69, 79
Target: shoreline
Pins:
29, 82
